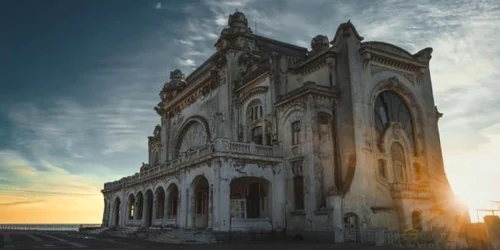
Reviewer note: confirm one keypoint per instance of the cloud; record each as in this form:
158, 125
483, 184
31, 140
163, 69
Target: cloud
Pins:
103, 135
187, 62
19, 203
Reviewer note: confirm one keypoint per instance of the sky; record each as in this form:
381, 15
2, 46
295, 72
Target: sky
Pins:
79, 80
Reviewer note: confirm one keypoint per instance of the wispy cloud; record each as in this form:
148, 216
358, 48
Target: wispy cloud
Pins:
103, 135
19, 203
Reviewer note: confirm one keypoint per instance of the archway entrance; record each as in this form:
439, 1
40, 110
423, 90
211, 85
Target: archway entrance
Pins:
173, 201
149, 208
140, 206
131, 207
351, 227
249, 198
116, 214
160, 203
200, 202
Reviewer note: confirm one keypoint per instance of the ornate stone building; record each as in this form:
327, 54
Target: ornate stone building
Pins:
270, 136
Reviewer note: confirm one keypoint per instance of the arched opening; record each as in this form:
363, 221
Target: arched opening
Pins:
416, 220
418, 171
249, 198
390, 108
105, 218
131, 207
160, 203
194, 135
173, 201
255, 126
116, 213
149, 208
140, 206
200, 201
399, 162
351, 227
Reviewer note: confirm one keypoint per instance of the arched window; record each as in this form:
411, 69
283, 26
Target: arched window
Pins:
131, 206
382, 170
398, 162
416, 220
418, 171
389, 107
192, 136
254, 111
295, 132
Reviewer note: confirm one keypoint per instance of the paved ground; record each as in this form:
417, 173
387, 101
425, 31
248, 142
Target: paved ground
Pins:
74, 240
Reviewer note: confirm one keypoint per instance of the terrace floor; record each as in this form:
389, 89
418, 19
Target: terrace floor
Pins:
75, 240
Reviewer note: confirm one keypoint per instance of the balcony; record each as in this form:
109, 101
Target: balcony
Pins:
220, 147
410, 190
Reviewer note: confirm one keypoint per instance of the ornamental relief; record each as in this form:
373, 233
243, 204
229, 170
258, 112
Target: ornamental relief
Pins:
193, 137
375, 69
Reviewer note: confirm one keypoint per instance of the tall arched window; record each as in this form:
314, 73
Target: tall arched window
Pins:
416, 220
193, 136
398, 162
389, 107
254, 121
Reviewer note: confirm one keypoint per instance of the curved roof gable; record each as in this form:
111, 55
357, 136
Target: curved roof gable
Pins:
389, 48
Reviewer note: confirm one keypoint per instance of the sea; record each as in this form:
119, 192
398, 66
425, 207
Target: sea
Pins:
48, 227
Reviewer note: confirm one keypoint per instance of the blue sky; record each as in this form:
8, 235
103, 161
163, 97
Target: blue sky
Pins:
79, 79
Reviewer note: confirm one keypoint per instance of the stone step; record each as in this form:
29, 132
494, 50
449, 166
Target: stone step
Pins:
178, 236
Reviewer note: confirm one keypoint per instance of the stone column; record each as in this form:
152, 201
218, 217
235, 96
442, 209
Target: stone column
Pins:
136, 214
311, 176
338, 217
166, 209
277, 196
155, 203
145, 202
123, 213
221, 221
189, 209
210, 205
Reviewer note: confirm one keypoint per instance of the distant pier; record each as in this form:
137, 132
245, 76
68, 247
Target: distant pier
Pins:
48, 227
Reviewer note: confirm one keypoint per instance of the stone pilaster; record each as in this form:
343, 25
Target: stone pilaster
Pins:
155, 203
145, 210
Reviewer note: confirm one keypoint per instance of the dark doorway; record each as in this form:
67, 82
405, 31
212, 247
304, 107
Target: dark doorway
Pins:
149, 208
253, 201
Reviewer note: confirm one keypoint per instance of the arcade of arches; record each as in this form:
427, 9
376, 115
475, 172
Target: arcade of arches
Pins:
249, 198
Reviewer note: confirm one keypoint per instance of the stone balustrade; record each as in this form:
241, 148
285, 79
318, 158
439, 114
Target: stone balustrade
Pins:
184, 159
410, 190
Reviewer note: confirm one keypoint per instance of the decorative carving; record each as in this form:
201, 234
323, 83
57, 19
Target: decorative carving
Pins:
396, 130
297, 168
366, 57
330, 61
300, 80
409, 76
424, 55
193, 137
394, 84
241, 130
438, 114
254, 91
420, 75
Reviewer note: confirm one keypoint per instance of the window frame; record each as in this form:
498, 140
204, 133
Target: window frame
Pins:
295, 130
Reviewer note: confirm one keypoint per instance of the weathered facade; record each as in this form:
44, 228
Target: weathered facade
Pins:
270, 136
